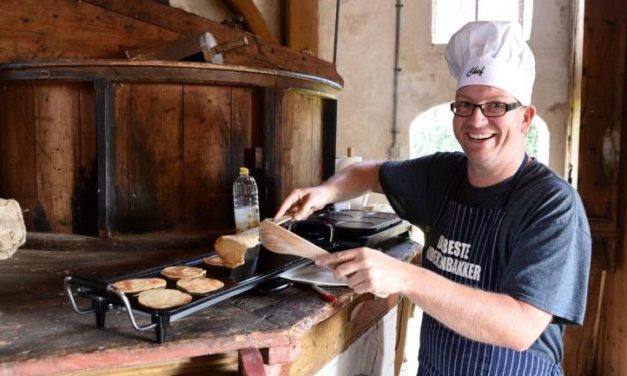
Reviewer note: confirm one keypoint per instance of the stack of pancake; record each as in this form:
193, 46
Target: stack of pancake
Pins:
231, 249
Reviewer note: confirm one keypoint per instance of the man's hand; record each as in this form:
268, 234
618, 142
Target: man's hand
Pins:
369, 270
352, 181
302, 202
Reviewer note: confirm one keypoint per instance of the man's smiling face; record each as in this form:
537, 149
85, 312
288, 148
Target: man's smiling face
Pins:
489, 142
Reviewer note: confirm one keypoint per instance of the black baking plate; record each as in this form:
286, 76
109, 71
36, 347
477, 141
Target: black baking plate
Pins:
261, 265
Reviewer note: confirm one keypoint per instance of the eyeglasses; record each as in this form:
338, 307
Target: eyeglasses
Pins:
489, 109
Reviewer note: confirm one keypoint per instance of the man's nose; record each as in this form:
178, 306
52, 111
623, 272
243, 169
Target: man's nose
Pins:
477, 117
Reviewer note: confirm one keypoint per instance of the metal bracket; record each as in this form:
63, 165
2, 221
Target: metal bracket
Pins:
129, 310
68, 290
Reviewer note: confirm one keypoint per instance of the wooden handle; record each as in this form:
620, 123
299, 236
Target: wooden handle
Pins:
230, 45
283, 219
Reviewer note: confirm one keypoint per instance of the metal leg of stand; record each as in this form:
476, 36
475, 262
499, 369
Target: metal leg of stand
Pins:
101, 311
160, 329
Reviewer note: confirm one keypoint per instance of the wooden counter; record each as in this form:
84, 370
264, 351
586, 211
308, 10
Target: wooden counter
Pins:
41, 334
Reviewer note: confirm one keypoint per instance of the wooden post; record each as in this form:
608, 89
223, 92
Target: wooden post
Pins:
301, 19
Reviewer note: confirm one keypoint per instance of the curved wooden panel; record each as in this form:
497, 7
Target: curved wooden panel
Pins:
146, 153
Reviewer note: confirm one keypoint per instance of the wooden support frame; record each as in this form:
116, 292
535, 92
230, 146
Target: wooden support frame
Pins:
301, 20
252, 18
116, 26
105, 145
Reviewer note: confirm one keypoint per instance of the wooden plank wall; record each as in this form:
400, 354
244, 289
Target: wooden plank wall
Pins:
48, 146
600, 347
188, 142
610, 56
302, 141
178, 149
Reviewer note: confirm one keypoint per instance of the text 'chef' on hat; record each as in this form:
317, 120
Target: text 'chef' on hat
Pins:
492, 53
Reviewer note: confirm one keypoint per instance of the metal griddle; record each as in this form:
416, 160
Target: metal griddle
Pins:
351, 228
332, 231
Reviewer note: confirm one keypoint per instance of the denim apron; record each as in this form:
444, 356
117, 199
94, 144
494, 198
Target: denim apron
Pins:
462, 248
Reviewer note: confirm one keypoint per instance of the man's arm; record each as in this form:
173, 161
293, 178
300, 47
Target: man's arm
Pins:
352, 181
488, 317
483, 316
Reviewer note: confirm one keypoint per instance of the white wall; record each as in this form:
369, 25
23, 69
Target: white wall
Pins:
365, 59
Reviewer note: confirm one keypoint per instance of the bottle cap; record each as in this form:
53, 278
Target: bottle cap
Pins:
243, 171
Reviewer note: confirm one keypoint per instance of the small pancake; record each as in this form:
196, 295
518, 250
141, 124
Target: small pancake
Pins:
199, 286
215, 260
163, 298
135, 285
179, 272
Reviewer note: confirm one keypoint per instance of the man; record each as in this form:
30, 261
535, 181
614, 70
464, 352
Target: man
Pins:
507, 250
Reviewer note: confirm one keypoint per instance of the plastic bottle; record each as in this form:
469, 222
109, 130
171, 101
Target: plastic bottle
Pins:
245, 201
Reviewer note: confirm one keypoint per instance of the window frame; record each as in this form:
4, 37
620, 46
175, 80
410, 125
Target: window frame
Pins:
441, 30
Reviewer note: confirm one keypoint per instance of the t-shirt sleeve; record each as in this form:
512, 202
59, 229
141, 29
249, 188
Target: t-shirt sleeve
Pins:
404, 184
416, 188
550, 261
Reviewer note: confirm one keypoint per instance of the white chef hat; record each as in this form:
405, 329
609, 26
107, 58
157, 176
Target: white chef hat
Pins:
492, 53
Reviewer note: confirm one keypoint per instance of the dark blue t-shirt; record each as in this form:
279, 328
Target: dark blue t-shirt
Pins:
544, 242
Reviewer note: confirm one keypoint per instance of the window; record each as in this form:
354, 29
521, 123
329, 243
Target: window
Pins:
450, 15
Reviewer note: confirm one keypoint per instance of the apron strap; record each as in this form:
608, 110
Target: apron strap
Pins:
460, 175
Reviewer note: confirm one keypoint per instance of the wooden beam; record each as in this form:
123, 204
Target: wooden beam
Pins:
301, 17
164, 16
112, 27
176, 50
251, 362
197, 43
252, 18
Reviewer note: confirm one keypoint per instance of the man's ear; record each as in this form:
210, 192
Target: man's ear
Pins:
529, 114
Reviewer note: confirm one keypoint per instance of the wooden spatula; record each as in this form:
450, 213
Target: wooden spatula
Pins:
279, 240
